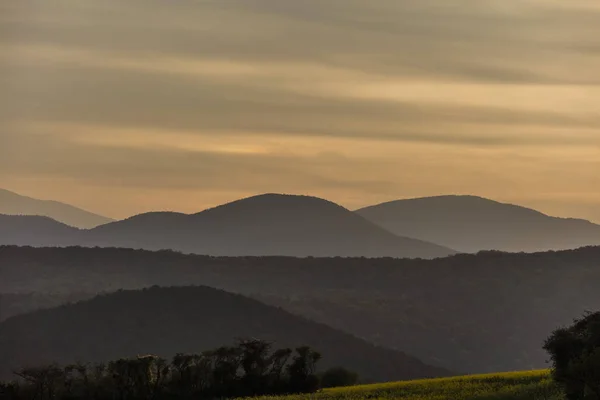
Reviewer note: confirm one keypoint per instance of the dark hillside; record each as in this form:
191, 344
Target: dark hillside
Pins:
473, 313
164, 321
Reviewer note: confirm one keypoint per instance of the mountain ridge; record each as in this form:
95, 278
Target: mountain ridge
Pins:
35, 230
301, 225
12, 203
263, 225
473, 223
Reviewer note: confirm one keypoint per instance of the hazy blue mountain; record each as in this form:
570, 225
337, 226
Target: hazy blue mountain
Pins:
470, 224
268, 224
166, 321
15, 204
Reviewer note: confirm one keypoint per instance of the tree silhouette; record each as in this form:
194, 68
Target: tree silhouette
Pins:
575, 355
302, 370
250, 368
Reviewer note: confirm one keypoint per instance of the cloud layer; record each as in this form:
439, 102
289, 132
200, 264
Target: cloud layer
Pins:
128, 106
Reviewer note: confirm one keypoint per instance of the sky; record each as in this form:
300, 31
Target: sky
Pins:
127, 106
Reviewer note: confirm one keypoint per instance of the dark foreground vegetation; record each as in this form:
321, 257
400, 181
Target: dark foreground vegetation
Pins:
253, 368
250, 368
575, 354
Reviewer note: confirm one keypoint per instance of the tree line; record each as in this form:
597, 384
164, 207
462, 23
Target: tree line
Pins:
250, 368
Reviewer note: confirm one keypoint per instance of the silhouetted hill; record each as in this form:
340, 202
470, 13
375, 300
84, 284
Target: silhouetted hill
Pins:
263, 225
15, 204
470, 224
153, 231
27, 230
470, 313
165, 321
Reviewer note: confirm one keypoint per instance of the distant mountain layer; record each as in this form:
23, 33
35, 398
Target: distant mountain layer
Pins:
15, 204
31, 230
165, 321
262, 225
471, 224
303, 226
469, 313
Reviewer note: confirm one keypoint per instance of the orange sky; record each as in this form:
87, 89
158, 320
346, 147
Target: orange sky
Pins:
123, 107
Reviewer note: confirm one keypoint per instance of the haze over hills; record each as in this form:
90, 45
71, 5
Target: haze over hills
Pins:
14, 204
471, 224
262, 225
487, 312
166, 321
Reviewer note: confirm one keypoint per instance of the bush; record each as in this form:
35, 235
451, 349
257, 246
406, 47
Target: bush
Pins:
338, 377
575, 355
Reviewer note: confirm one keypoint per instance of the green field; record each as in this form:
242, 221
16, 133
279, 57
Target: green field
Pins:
531, 385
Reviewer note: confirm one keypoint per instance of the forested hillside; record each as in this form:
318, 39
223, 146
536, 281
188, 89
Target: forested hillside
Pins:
166, 321
470, 313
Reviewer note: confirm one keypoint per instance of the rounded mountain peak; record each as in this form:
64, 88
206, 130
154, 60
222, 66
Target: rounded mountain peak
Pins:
271, 202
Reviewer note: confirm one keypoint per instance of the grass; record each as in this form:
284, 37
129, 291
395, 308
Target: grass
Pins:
531, 385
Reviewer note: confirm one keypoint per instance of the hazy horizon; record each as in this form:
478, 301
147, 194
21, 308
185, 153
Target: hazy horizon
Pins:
123, 107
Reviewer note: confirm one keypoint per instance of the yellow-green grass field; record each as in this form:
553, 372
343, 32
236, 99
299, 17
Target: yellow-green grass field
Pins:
530, 385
